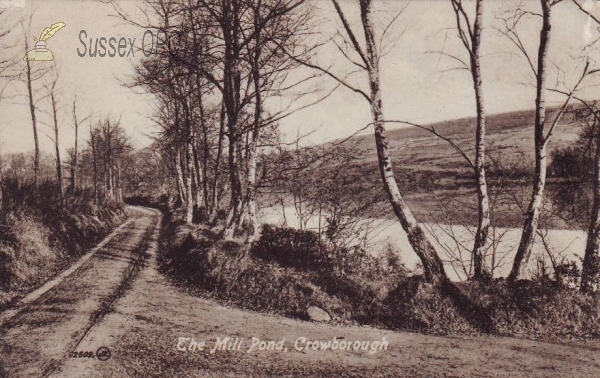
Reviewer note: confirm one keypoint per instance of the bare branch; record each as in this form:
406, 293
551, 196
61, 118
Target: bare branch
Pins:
511, 33
564, 106
441, 53
353, 134
586, 12
327, 72
434, 132
348, 29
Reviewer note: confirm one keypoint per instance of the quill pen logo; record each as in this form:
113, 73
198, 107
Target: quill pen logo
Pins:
41, 53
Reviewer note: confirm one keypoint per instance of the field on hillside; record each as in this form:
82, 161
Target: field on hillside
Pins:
438, 183
508, 135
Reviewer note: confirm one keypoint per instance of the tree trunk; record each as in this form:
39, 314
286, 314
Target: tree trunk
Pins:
204, 175
590, 275
483, 208
36, 153
251, 221
189, 213
232, 77
519, 268
105, 175
108, 141
57, 149
235, 190
178, 170
178, 185
202, 179
119, 184
199, 193
111, 188
214, 203
95, 163
74, 162
432, 264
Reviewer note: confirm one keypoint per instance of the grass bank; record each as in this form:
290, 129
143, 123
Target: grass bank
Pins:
41, 235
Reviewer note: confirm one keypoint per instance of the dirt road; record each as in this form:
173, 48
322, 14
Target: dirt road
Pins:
116, 302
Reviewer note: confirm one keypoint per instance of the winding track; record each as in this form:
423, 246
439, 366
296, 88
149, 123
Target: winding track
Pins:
38, 334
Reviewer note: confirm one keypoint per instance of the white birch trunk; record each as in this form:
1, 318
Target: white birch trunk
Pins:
180, 184
483, 207
199, 195
432, 265
519, 269
189, 211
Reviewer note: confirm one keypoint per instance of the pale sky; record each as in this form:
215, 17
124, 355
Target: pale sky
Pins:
416, 83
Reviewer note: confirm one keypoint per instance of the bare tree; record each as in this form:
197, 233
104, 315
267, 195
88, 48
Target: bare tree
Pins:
533, 212
233, 49
369, 57
590, 275
542, 128
29, 78
93, 145
470, 32
75, 152
53, 94
113, 145
5, 63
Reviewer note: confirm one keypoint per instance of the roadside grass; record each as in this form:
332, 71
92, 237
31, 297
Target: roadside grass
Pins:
41, 235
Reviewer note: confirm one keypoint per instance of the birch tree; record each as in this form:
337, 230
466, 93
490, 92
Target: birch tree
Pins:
469, 32
275, 26
369, 55
543, 127
539, 180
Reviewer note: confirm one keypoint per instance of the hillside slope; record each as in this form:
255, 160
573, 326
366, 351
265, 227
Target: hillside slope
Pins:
431, 174
508, 135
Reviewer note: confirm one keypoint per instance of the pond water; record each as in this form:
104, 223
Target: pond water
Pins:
453, 243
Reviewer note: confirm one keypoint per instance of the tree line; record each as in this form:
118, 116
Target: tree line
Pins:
98, 164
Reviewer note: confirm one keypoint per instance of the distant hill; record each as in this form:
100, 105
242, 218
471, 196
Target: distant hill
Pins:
433, 177
508, 135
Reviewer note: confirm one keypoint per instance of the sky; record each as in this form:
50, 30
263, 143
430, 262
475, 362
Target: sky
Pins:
418, 84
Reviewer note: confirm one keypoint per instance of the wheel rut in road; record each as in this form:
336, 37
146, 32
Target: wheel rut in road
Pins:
38, 339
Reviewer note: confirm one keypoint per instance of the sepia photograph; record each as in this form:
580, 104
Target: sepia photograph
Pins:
299, 188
